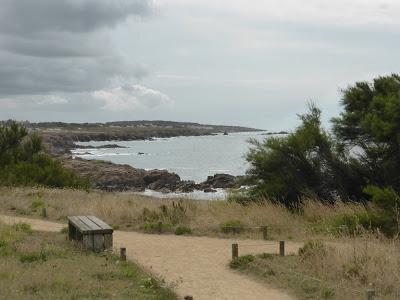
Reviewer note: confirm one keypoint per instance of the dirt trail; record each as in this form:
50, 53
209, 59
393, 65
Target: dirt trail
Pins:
197, 265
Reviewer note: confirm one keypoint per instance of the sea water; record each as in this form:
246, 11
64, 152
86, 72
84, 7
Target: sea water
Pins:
192, 158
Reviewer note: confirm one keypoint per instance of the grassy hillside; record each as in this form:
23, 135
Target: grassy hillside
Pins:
37, 265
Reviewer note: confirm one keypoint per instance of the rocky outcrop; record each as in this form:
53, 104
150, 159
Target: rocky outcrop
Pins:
112, 177
219, 181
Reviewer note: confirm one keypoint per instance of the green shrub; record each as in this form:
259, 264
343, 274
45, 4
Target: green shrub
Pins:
35, 204
241, 261
33, 257
312, 248
23, 227
328, 293
156, 227
23, 163
232, 226
180, 230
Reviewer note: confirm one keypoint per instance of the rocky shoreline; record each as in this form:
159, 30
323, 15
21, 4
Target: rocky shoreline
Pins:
108, 176
114, 177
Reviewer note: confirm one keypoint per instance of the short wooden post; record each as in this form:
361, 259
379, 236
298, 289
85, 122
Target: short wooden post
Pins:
265, 232
108, 241
188, 298
160, 227
98, 242
282, 248
370, 294
123, 254
235, 251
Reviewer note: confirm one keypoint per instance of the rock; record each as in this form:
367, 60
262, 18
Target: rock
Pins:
209, 190
186, 186
220, 181
159, 179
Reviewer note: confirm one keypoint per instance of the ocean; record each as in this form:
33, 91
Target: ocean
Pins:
192, 158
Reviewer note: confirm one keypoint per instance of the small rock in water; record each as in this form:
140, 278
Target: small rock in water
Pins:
210, 190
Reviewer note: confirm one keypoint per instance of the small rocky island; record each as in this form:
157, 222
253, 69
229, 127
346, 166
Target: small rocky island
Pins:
60, 138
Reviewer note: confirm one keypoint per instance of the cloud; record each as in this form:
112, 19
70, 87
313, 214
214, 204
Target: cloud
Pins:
130, 97
26, 17
339, 12
49, 47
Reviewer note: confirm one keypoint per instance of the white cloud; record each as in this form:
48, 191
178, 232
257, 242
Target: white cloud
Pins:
340, 12
130, 97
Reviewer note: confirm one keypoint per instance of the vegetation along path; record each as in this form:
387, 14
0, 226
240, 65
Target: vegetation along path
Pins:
196, 266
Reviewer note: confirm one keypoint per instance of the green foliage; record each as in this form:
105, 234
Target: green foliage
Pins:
232, 226
312, 249
174, 214
23, 227
388, 202
181, 230
241, 261
156, 227
304, 163
33, 257
23, 163
370, 123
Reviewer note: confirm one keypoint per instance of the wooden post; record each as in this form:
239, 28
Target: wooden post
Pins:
98, 242
108, 241
235, 251
265, 232
123, 254
282, 248
159, 227
370, 294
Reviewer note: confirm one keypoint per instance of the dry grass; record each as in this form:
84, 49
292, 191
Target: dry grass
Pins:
352, 262
126, 211
339, 269
37, 265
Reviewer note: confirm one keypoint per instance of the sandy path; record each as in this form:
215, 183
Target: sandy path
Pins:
197, 265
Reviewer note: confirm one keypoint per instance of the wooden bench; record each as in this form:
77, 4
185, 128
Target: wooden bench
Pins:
92, 232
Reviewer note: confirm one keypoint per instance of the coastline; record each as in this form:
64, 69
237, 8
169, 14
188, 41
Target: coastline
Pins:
108, 176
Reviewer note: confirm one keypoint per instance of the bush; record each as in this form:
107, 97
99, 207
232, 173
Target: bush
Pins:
156, 227
241, 261
180, 230
23, 163
312, 249
232, 226
33, 257
23, 227
304, 163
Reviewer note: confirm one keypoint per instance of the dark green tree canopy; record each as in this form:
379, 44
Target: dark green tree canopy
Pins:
370, 125
22, 161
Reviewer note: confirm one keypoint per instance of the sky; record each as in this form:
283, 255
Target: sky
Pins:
235, 62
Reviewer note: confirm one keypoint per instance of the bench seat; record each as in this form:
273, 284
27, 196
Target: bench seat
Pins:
93, 233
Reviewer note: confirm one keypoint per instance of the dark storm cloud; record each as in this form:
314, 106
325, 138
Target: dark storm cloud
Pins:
49, 46
25, 17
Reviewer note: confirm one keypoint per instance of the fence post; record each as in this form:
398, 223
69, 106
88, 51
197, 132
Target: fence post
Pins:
235, 251
159, 227
265, 232
282, 248
122, 254
370, 294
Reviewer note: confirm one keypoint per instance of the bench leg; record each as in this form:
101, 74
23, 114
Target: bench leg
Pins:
108, 241
98, 242
87, 241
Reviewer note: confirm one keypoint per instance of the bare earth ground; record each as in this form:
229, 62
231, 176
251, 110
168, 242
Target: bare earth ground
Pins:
196, 266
